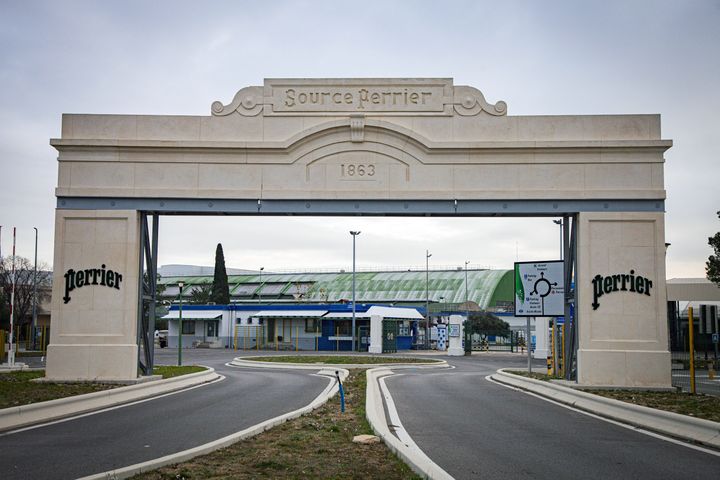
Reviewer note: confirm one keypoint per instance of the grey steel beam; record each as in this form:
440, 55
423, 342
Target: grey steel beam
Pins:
440, 208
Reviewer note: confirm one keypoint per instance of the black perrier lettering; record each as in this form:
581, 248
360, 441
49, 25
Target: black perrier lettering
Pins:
623, 282
90, 276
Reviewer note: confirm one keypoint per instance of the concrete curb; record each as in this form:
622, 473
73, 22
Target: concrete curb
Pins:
25, 415
210, 447
242, 362
694, 430
402, 445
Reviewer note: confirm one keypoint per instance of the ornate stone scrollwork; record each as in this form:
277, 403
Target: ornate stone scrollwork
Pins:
357, 128
247, 102
469, 101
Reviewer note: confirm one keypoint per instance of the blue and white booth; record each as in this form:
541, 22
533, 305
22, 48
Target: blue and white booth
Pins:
322, 327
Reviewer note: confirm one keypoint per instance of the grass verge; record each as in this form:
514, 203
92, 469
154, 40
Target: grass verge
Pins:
17, 388
316, 445
169, 371
699, 406
339, 359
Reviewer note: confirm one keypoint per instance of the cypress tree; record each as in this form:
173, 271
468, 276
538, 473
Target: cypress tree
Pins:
220, 293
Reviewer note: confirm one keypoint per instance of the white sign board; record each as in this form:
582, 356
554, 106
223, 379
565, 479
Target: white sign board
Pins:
539, 290
454, 330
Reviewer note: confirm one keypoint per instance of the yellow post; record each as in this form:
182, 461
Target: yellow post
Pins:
297, 338
553, 367
562, 351
691, 334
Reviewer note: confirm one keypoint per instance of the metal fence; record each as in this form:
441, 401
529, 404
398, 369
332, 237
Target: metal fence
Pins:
695, 362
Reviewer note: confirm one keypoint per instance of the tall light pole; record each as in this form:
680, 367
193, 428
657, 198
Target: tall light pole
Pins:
180, 285
466, 282
467, 299
559, 222
427, 298
354, 234
261, 285
11, 350
34, 304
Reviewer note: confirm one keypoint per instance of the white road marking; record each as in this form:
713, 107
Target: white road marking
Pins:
614, 422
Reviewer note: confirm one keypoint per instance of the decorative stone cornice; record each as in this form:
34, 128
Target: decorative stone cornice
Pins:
469, 101
368, 96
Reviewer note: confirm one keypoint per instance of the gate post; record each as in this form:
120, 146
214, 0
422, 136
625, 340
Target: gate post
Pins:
375, 334
455, 336
622, 306
94, 296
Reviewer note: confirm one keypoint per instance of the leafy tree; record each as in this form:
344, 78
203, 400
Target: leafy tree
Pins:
200, 295
220, 292
485, 323
24, 276
712, 266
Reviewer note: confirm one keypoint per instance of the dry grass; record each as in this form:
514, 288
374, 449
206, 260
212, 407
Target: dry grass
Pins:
316, 445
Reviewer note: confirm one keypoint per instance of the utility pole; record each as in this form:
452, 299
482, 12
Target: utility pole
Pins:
467, 298
11, 351
354, 234
34, 304
180, 285
427, 298
261, 285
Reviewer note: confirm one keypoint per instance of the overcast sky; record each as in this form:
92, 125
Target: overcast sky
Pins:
541, 57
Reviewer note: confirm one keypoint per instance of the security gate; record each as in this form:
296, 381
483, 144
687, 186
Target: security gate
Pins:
390, 333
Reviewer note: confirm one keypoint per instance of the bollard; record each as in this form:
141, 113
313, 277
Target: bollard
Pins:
691, 335
342, 393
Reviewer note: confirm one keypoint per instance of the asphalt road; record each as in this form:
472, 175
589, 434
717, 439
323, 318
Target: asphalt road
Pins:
152, 429
474, 428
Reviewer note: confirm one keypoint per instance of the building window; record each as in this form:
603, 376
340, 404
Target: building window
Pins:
342, 327
311, 325
404, 329
188, 327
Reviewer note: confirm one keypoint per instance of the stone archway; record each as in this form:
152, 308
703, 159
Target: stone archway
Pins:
362, 147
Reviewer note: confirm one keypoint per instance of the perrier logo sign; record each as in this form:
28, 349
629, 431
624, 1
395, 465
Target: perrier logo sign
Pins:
90, 276
624, 282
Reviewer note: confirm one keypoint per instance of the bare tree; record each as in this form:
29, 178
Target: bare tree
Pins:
24, 279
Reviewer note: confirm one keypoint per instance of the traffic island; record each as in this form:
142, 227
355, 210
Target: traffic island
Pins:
318, 444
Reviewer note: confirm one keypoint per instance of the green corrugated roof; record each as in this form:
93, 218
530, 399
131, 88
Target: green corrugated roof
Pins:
485, 287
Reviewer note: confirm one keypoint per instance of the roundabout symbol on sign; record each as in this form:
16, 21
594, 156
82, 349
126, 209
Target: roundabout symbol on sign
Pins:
546, 289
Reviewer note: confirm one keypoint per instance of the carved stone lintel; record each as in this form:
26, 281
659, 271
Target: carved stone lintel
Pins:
469, 101
357, 128
247, 102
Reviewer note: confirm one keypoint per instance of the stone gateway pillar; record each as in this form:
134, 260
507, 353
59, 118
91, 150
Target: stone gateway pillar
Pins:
623, 339
94, 296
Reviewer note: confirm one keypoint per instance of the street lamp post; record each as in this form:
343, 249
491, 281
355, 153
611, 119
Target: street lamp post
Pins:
559, 222
467, 299
180, 285
427, 298
34, 304
354, 234
261, 285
